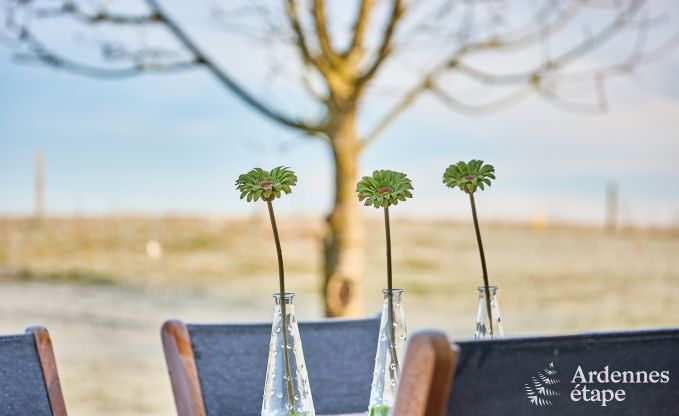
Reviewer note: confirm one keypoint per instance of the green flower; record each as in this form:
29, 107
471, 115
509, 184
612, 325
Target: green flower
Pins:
468, 176
384, 188
259, 183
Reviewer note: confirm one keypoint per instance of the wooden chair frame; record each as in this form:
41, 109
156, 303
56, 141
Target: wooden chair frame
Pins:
48, 364
181, 365
427, 375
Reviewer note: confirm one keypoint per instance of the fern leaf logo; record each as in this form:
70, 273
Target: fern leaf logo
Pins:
540, 390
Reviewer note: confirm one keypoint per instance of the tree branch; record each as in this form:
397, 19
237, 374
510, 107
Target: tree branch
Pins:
604, 35
141, 62
532, 79
72, 9
401, 105
300, 40
321, 25
428, 85
225, 78
562, 60
360, 26
384, 50
599, 106
518, 40
40, 53
478, 109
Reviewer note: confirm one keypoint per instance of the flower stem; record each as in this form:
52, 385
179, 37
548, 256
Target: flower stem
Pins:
390, 297
483, 263
281, 282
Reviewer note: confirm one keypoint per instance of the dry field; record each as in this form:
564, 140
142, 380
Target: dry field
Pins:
93, 283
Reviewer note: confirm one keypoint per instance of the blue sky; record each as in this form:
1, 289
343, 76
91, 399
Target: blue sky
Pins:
175, 144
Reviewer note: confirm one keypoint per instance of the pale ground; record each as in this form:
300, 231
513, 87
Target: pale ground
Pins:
91, 282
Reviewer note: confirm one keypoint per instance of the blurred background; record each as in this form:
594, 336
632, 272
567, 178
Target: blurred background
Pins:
125, 124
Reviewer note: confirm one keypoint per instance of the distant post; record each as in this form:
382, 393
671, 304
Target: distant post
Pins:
39, 182
612, 206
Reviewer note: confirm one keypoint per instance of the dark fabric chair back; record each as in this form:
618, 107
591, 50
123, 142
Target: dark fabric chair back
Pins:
25, 389
231, 364
541, 376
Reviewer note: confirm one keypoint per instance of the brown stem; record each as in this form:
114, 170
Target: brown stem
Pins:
387, 230
281, 282
390, 297
483, 263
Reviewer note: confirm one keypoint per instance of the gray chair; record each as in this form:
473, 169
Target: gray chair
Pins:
29, 384
220, 369
543, 376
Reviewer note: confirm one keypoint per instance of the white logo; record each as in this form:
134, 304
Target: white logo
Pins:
539, 390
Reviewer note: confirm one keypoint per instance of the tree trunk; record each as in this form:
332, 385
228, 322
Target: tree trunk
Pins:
343, 243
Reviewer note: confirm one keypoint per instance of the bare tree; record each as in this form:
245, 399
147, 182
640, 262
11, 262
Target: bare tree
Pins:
437, 47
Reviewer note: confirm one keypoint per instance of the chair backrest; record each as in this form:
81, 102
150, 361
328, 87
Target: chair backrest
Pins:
29, 384
220, 369
426, 375
551, 376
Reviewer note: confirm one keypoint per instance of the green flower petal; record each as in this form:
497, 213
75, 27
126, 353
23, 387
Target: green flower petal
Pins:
267, 185
469, 176
384, 188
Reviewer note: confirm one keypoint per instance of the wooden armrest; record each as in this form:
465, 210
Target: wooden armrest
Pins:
426, 376
181, 365
48, 364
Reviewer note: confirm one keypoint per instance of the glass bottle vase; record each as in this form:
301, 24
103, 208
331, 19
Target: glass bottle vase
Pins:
286, 390
390, 345
484, 328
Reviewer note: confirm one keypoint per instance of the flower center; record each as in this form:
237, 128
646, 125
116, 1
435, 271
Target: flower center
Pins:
469, 177
384, 190
268, 192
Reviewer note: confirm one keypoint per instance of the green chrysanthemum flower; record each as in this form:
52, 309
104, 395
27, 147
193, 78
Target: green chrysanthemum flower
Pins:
469, 176
384, 188
259, 183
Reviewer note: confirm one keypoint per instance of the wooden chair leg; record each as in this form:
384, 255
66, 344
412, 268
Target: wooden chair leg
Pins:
426, 377
43, 345
181, 365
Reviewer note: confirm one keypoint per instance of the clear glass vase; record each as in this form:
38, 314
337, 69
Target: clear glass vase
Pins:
487, 328
390, 346
286, 391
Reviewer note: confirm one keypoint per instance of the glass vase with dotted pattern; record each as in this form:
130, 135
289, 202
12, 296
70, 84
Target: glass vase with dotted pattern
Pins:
390, 346
286, 390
